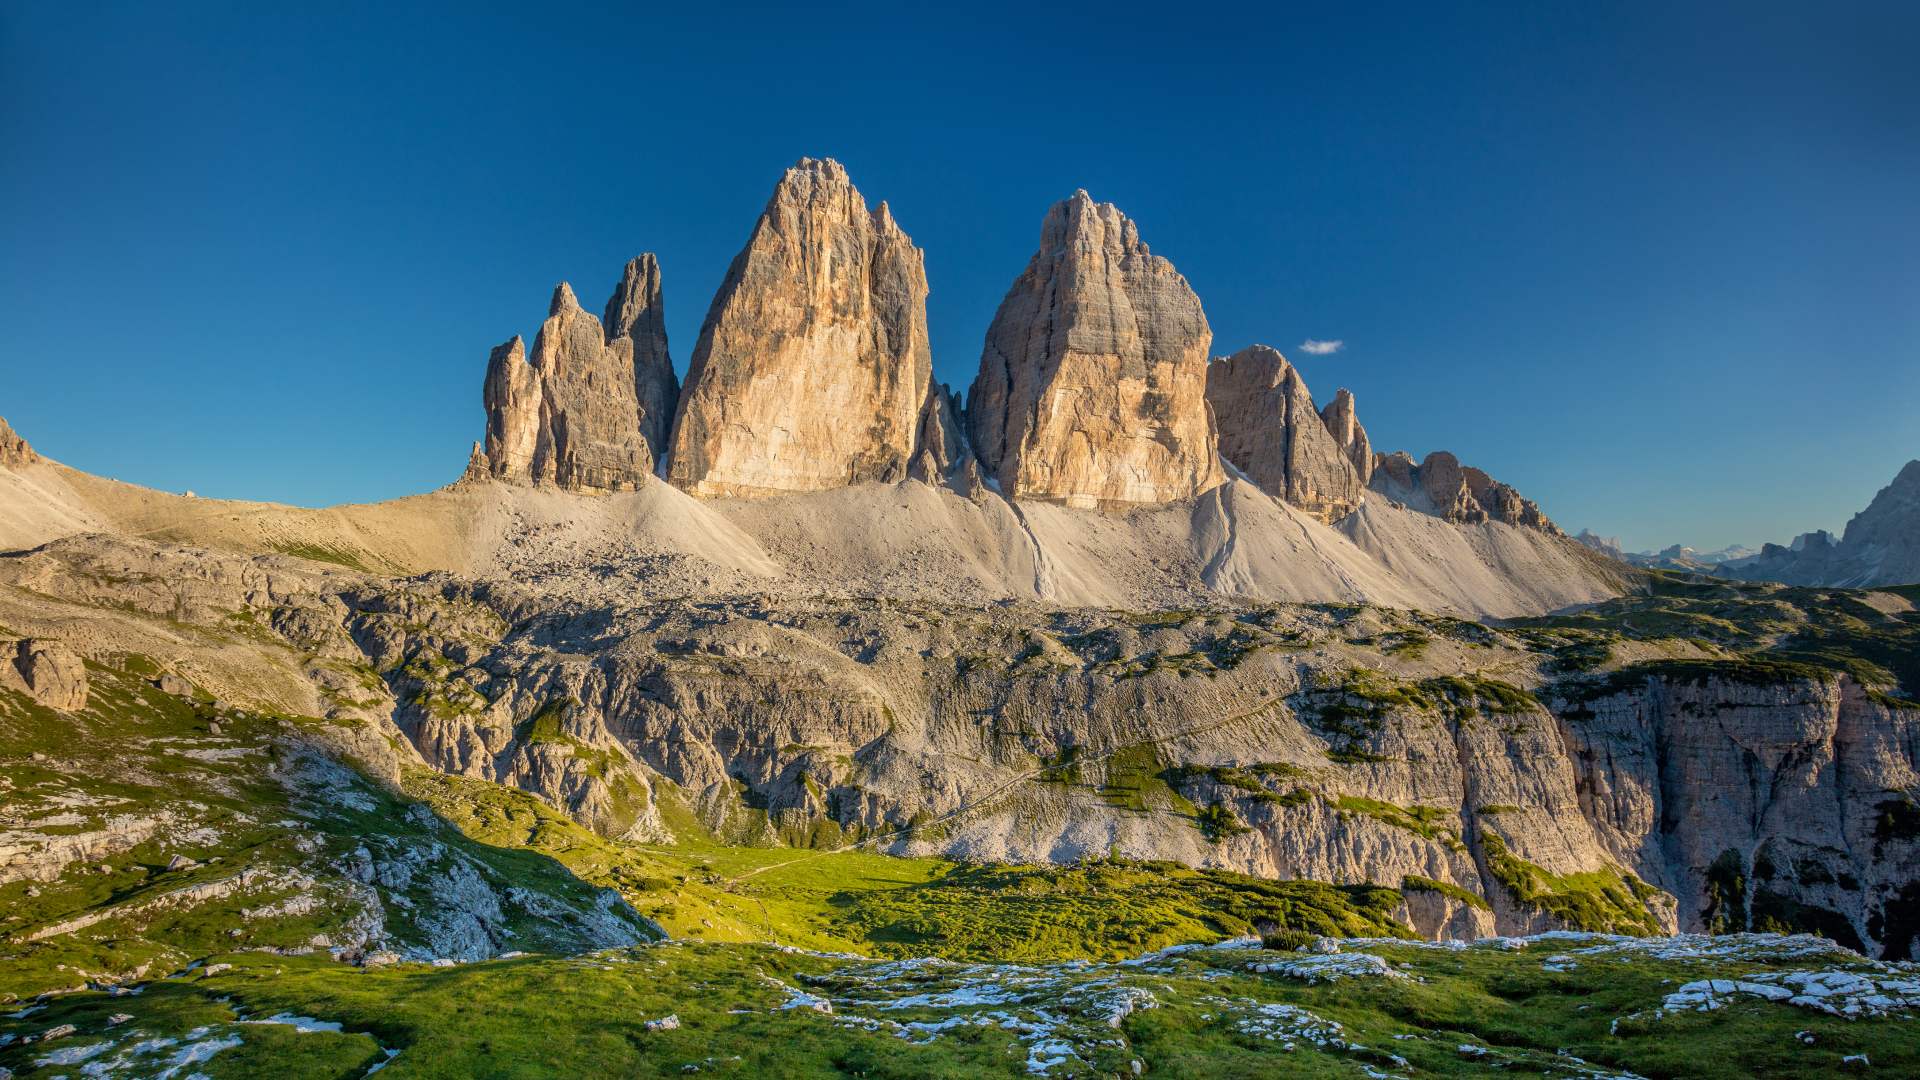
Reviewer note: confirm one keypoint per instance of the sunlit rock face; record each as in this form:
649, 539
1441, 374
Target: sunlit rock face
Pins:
813, 369
1092, 384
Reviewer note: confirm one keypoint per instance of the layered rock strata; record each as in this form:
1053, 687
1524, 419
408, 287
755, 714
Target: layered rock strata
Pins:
1638, 800
813, 369
1092, 384
589, 411
1271, 431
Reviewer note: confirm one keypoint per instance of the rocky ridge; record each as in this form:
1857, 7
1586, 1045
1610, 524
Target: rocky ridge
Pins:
1442, 486
813, 373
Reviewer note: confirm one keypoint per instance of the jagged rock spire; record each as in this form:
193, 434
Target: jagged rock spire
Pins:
588, 412
1092, 383
812, 370
1270, 430
637, 332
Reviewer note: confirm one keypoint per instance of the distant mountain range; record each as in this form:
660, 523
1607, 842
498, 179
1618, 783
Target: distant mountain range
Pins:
1880, 546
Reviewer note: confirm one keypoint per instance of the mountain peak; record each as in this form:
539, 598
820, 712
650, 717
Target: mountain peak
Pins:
1094, 308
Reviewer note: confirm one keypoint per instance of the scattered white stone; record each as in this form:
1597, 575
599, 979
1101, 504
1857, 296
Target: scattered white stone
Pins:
302, 1024
1331, 967
73, 1055
669, 1022
1290, 1025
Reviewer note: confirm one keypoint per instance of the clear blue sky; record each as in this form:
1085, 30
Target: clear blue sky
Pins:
1657, 265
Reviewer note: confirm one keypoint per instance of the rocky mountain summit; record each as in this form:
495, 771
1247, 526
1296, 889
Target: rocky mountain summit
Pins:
1271, 431
813, 373
1092, 383
813, 369
589, 413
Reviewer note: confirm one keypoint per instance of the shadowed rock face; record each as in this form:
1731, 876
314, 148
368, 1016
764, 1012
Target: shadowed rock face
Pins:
1271, 431
812, 370
1442, 486
636, 328
1092, 384
589, 412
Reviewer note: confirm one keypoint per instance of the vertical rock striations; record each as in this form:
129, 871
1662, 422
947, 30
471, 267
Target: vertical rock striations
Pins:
1442, 486
813, 369
1092, 384
1270, 430
1344, 425
512, 396
637, 335
589, 411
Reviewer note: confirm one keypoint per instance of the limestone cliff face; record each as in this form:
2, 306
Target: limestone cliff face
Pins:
1270, 430
1092, 383
589, 411
813, 369
1442, 486
1760, 800
1717, 794
14, 451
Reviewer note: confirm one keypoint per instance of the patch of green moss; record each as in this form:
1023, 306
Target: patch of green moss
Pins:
1427, 822
1608, 901
1416, 883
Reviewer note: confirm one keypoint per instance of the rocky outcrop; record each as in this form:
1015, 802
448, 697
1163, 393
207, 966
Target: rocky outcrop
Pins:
1442, 486
1344, 425
1093, 379
1881, 545
813, 369
589, 411
1270, 430
47, 671
14, 451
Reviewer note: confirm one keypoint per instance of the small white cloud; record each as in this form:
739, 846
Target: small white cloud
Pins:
1316, 347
